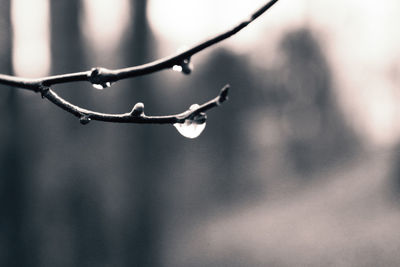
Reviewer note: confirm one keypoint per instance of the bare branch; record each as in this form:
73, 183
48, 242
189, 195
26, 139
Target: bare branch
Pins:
137, 114
102, 77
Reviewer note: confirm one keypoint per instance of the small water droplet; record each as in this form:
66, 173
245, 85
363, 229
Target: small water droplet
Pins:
185, 67
194, 106
84, 119
177, 68
101, 86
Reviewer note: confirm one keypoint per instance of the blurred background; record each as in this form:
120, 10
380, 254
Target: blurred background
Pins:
299, 168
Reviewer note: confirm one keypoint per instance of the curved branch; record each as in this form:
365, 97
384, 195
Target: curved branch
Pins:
136, 115
103, 76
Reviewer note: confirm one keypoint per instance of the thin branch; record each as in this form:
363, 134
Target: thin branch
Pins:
136, 115
103, 75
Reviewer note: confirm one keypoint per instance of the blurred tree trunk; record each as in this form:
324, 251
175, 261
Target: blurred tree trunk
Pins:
66, 39
67, 53
75, 203
140, 38
16, 245
142, 222
320, 136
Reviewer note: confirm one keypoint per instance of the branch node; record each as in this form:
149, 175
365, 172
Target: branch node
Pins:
43, 90
138, 110
198, 117
99, 77
184, 66
84, 119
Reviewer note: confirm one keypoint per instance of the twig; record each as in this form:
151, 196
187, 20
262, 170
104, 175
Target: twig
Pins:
105, 77
136, 115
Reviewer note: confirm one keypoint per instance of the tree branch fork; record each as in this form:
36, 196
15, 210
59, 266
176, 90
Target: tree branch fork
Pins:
102, 77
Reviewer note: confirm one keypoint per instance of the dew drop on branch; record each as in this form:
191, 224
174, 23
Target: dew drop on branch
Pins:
84, 119
177, 68
193, 127
190, 128
101, 86
185, 67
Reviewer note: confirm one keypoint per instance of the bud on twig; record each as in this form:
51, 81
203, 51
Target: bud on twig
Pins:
137, 110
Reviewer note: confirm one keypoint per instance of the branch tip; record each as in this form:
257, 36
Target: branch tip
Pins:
223, 95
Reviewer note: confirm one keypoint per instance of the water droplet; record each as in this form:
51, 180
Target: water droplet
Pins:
84, 119
177, 68
190, 128
194, 106
101, 86
185, 67
193, 127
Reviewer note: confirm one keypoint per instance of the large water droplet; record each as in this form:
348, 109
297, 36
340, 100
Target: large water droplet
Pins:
101, 86
190, 128
193, 127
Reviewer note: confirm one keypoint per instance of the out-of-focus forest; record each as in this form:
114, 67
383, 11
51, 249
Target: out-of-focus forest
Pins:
283, 175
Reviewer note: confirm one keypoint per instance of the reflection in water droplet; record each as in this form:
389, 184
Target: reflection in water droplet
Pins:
190, 128
193, 127
101, 86
177, 68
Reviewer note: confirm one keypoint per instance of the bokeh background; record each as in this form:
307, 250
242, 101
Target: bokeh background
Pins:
299, 168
